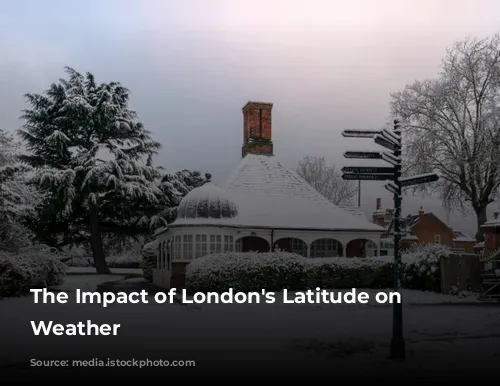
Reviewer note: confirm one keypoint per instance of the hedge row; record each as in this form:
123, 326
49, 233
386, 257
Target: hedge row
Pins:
279, 270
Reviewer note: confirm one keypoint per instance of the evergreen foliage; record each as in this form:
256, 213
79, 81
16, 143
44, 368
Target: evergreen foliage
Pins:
93, 159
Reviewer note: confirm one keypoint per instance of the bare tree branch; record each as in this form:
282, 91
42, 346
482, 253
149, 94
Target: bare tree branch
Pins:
326, 179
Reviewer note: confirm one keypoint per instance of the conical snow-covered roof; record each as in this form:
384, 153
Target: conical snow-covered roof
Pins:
207, 202
269, 195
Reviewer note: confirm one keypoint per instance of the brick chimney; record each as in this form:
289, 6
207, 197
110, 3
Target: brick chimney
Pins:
378, 216
257, 125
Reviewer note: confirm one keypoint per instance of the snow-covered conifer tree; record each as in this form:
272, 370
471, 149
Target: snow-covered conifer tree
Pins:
93, 158
176, 186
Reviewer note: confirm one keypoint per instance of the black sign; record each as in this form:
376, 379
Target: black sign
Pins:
390, 188
387, 157
367, 170
368, 177
363, 154
390, 136
360, 133
385, 143
417, 180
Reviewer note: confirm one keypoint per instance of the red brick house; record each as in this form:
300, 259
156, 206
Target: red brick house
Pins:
424, 228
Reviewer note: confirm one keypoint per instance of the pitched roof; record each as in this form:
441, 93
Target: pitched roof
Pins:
270, 195
461, 236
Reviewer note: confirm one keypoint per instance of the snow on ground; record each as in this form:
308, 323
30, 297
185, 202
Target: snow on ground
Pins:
439, 335
87, 282
124, 271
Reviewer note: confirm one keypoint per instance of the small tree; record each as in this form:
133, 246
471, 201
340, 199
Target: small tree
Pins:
452, 125
326, 179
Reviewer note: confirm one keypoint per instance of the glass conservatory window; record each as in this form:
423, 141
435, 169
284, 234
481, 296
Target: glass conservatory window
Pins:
218, 243
325, 248
187, 247
299, 247
215, 243
178, 247
201, 246
228, 243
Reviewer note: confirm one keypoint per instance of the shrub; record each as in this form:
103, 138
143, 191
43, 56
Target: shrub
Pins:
422, 268
148, 262
32, 267
281, 270
126, 259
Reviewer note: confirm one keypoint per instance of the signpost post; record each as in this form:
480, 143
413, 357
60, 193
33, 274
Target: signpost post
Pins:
390, 140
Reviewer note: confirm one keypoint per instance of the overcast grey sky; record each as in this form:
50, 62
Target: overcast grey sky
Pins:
192, 64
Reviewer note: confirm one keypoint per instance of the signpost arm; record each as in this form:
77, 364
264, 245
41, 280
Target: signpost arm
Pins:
397, 342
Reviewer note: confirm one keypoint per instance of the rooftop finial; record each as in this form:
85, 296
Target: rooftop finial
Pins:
208, 177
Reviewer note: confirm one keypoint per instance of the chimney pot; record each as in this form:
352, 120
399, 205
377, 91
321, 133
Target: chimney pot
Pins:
379, 204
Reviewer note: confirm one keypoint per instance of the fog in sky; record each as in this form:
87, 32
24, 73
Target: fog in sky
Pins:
191, 65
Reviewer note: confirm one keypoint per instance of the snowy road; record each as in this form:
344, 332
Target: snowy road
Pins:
230, 335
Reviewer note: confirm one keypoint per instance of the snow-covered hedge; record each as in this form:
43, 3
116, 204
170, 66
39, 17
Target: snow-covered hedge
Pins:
32, 267
148, 261
128, 259
422, 268
279, 270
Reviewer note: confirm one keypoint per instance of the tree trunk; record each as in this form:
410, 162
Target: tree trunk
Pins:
481, 219
96, 243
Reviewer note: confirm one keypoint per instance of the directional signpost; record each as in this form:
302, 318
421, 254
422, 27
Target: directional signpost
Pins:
363, 154
390, 140
363, 169
417, 180
366, 177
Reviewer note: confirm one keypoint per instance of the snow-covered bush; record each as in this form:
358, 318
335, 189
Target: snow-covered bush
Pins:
276, 271
14, 236
32, 267
79, 261
148, 262
421, 267
128, 259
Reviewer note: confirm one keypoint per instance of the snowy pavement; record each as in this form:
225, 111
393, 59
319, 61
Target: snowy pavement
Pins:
232, 335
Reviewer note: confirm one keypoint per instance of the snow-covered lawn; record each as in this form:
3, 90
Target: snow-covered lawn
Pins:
121, 271
87, 282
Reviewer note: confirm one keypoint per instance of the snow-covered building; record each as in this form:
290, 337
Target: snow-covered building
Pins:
263, 206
